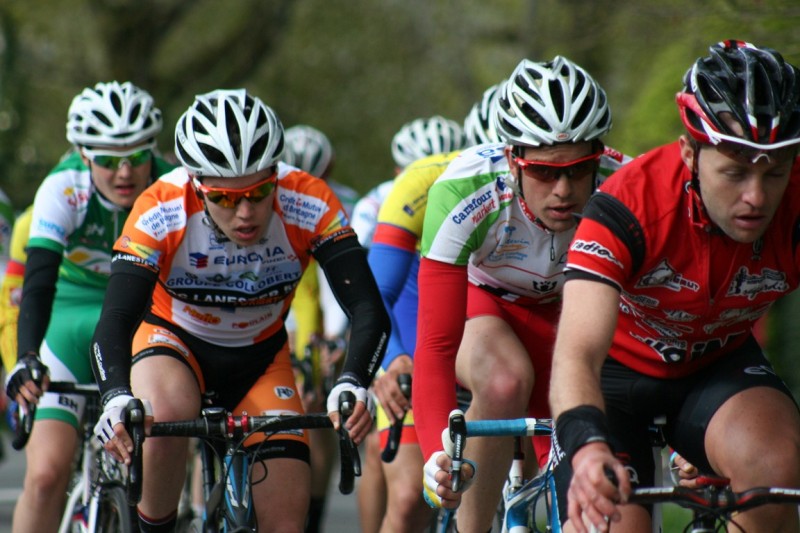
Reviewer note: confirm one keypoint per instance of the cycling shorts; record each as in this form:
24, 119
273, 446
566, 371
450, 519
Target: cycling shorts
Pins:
256, 379
634, 400
65, 349
535, 327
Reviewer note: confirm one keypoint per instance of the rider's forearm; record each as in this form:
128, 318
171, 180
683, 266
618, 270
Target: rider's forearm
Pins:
442, 311
127, 296
391, 266
38, 293
588, 318
345, 265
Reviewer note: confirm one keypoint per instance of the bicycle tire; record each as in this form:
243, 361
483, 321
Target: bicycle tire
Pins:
114, 512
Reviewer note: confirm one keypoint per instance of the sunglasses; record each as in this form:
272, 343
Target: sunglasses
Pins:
230, 198
115, 160
748, 155
547, 171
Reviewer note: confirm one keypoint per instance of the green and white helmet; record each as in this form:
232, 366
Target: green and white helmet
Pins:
113, 114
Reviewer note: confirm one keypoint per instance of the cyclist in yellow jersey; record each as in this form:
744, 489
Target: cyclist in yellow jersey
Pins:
390, 494
11, 289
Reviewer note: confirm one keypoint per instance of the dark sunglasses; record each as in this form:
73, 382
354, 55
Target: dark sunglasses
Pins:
547, 171
111, 161
230, 198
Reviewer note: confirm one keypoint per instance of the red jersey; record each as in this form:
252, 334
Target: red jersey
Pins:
689, 293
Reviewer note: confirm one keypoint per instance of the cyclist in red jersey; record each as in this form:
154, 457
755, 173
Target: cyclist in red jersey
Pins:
675, 259
202, 277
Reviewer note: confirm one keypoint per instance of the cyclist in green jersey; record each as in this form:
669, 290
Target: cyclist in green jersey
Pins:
78, 213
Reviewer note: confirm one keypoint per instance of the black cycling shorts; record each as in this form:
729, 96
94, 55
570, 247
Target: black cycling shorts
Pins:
634, 400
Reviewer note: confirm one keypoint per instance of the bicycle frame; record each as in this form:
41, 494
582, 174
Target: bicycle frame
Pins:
520, 497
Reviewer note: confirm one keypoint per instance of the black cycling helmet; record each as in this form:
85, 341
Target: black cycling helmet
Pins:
746, 85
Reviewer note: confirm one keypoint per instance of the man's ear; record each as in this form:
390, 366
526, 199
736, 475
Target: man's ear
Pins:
688, 152
509, 152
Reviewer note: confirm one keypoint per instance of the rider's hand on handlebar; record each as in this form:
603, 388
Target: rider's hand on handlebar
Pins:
592, 494
110, 428
388, 391
27, 381
436, 481
360, 422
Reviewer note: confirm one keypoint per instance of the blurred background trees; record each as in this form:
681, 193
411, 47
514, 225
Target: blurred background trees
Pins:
359, 69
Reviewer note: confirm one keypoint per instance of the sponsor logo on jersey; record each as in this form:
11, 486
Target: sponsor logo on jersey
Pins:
478, 207
640, 299
284, 393
250, 323
301, 209
198, 260
145, 253
250, 257
596, 249
162, 219
729, 317
164, 337
50, 227
95, 229
751, 285
663, 275
76, 197
206, 318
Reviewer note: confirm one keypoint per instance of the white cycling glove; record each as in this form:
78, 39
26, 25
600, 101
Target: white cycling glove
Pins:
360, 393
113, 415
429, 483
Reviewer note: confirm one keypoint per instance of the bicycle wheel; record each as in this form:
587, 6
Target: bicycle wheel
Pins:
113, 512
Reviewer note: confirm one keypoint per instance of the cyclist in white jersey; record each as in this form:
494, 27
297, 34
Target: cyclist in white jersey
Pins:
497, 228
78, 213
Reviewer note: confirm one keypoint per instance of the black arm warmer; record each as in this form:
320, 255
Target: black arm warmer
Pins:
38, 293
579, 426
127, 299
344, 262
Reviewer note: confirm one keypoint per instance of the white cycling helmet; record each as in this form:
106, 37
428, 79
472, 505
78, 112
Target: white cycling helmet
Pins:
479, 127
550, 103
426, 136
113, 114
227, 134
308, 149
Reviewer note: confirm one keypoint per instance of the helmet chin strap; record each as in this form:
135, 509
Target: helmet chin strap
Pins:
208, 220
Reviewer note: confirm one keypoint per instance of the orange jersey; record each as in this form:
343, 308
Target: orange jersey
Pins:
212, 288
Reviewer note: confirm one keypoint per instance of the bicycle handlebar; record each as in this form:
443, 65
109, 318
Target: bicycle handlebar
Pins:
25, 425
396, 431
459, 429
720, 500
216, 422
